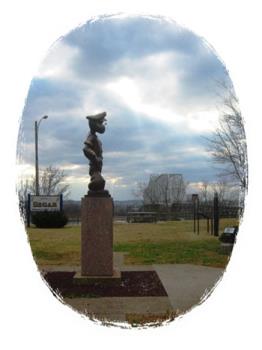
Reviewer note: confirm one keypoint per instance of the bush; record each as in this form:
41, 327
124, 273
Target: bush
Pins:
49, 219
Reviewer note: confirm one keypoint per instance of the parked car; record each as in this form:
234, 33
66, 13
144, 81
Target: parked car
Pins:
141, 216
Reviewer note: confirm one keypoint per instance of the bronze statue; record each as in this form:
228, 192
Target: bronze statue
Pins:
93, 151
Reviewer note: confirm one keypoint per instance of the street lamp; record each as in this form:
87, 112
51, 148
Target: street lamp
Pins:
37, 124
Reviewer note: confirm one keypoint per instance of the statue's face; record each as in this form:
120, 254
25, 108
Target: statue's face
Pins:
98, 125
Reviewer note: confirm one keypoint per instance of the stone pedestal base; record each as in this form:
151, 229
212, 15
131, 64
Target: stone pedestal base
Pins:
86, 280
97, 236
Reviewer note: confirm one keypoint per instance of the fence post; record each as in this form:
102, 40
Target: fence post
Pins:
28, 210
61, 202
194, 218
195, 209
216, 215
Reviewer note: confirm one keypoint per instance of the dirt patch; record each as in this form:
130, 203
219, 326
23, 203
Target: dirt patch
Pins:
150, 319
132, 284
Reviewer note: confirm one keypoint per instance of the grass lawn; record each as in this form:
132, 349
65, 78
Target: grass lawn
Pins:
160, 243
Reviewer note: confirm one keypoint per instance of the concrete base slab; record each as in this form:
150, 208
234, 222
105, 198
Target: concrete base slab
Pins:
137, 268
118, 259
187, 284
58, 268
83, 280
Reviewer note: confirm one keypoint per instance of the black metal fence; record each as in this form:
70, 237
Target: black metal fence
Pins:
185, 210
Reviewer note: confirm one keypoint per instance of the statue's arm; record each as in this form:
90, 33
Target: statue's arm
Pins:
89, 153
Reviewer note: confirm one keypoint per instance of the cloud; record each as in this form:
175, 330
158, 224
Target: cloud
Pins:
103, 43
56, 65
157, 82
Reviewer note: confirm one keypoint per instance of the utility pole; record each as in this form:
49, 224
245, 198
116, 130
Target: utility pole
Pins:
37, 124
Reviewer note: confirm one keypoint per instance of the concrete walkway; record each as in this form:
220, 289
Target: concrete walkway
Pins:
185, 285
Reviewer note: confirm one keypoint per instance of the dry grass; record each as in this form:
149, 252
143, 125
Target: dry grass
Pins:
55, 246
164, 242
168, 231
142, 320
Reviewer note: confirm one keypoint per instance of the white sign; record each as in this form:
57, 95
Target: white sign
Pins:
43, 203
229, 230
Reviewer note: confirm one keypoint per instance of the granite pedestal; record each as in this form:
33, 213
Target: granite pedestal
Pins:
97, 240
97, 235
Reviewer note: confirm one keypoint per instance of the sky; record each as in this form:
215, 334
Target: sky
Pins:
158, 83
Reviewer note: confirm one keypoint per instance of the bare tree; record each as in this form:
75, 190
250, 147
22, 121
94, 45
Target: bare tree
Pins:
165, 189
204, 192
223, 190
226, 191
23, 189
228, 143
51, 181
144, 191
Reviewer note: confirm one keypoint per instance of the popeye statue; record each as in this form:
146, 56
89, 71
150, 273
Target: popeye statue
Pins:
93, 151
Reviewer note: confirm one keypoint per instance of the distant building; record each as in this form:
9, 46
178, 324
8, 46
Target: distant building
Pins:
165, 189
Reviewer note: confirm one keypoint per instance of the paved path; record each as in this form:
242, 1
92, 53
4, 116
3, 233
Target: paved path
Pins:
185, 285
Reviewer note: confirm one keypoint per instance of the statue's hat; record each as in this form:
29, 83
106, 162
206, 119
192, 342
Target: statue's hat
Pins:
97, 116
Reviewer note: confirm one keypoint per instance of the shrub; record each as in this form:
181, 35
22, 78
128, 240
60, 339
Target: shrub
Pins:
49, 219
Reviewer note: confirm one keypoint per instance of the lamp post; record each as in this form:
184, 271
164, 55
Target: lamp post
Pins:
37, 124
